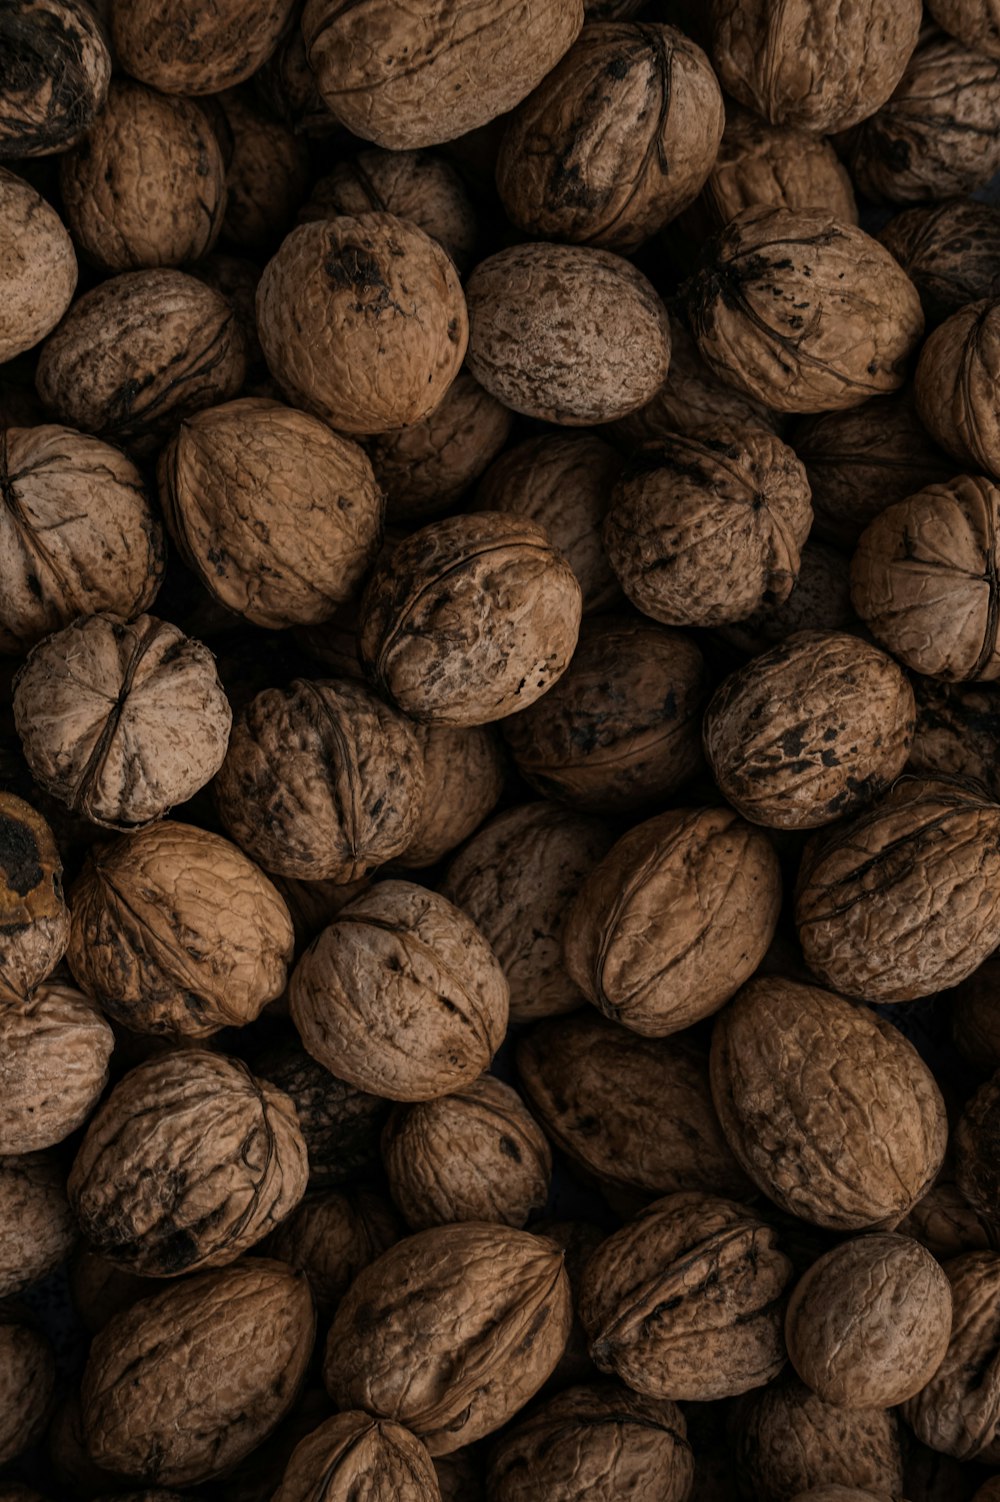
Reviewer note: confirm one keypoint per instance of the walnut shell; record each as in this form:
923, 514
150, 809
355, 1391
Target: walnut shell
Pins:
331, 1236
121, 721
975, 1141
928, 848
956, 1412
38, 271
278, 517
820, 601
363, 321
237, 281
955, 386
321, 780
188, 1163
169, 1394
686, 1301
615, 141
451, 1331
634, 1112
140, 352
819, 67
401, 995
974, 22
566, 333
39, 1229
463, 778
950, 252
674, 919
356, 1455
314, 904
184, 47
34, 919
804, 1081
267, 177
945, 1223
459, 1476
27, 1383
469, 619
437, 72
516, 879
600, 1443
100, 1290
286, 87
579, 1240
54, 75
54, 1053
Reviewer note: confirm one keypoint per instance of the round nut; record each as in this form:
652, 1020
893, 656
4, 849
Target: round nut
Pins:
331, 1236
54, 76
39, 1229
950, 251
184, 47
463, 778
38, 271
54, 1054
267, 178
970, 21
955, 382
357, 1455
956, 1412
27, 1383
820, 601
34, 919
945, 1223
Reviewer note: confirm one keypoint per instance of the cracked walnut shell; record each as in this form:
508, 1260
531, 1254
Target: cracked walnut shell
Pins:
54, 75
34, 919
354, 1455
38, 268
54, 1053
185, 47
956, 1412
956, 384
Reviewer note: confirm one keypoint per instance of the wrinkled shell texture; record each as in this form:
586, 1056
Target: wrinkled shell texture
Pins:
401, 995
184, 1384
178, 933
479, 1317
776, 166
820, 601
121, 721
945, 1223
362, 321
904, 900
956, 383
321, 780
39, 1229
27, 1380
340, 1123
532, 305
34, 919
818, 66
186, 47
279, 517
38, 267
975, 1143
331, 1236
469, 619
148, 185
354, 1455
810, 730
950, 252
617, 140
704, 530
956, 1412
829, 1109
54, 1056
974, 22
267, 178
412, 77
463, 778
54, 75
804, 313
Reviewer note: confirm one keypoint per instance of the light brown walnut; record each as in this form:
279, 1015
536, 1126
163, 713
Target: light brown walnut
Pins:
39, 1229
54, 1053
956, 383
464, 774
34, 918
38, 270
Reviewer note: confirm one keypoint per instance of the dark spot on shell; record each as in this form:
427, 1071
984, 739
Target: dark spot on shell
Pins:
19, 856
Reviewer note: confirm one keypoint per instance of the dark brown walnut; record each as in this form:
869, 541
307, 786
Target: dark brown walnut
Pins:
286, 87
829, 1109
39, 1230
439, 71
975, 1142
477, 1154
815, 66
945, 1223
802, 312
314, 904
975, 1017
469, 619
181, 1386
100, 1290
989, 1491
279, 517
54, 1053
451, 1331
516, 879
566, 333
27, 1383
600, 1443
904, 900
259, 1474
237, 279
579, 1240
147, 186
363, 321
121, 721
836, 1493
140, 352
38, 272
19, 403
636, 1113
819, 601
950, 252
71, 1465
184, 47
460, 1475
355, 1455
331, 1236
615, 141
955, 386
687, 1301
321, 780
267, 177
974, 22
34, 919
401, 995
956, 1412
15, 1492
463, 778
869, 1323
674, 919
334, 643
54, 73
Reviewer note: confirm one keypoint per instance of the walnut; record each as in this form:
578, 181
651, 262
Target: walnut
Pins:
802, 312
401, 995
451, 1331
600, 1443
363, 321
147, 187
39, 1230
71, 1465
469, 619
354, 1455
279, 517
100, 1290
14, 1492
459, 1476
615, 141
184, 47
171, 1395
955, 386
258, 1476
818, 67
321, 780
636, 1113
437, 73
956, 1411
121, 721
38, 269
266, 179
463, 778
237, 281
949, 251
27, 1382
34, 919
973, 22
140, 352
516, 879
945, 1223
975, 1141
314, 904
287, 88
477, 1154
566, 333
54, 75
331, 1236
930, 847
803, 1081
54, 1053
674, 919
819, 601
177, 932
579, 1240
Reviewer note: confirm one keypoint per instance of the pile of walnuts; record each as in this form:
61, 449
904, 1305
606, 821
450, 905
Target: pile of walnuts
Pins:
499, 751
